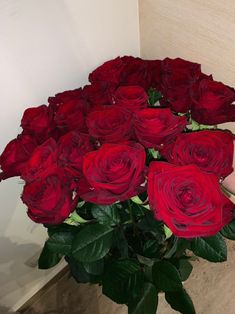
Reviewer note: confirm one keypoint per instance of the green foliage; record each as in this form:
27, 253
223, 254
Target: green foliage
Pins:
154, 96
122, 280
48, 258
229, 230
106, 215
166, 277
146, 303
92, 243
211, 248
180, 301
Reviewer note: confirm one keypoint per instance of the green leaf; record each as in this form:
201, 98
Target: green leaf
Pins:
92, 243
106, 214
60, 242
212, 248
180, 301
79, 273
48, 258
120, 242
150, 224
185, 268
51, 229
146, 303
154, 96
166, 276
151, 248
95, 268
228, 231
122, 280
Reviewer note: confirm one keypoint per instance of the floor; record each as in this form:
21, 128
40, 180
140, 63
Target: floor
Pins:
212, 287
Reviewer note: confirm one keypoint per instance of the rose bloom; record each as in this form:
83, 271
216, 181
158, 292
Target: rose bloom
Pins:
71, 115
64, 97
110, 71
99, 93
139, 72
177, 78
43, 158
115, 172
15, 155
212, 151
132, 98
71, 150
155, 127
188, 200
212, 103
110, 125
48, 198
38, 122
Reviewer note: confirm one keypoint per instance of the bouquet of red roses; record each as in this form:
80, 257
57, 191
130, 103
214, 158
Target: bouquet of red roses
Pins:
127, 175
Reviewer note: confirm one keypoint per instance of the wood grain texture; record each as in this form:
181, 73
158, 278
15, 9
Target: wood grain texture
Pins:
197, 30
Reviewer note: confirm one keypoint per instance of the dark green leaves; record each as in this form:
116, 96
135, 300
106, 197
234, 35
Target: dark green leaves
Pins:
154, 96
180, 301
229, 231
146, 303
106, 215
122, 280
92, 243
212, 248
48, 258
166, 277
60, 242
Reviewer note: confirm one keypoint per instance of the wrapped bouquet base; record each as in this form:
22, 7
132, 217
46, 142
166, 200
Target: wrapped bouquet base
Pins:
127, 174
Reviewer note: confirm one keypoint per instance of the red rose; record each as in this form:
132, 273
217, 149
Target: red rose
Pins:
144, 73
155, 127
188, 200
43, 158
71, 149
14, 156
178, 77
132, 98
110, 72
115, 172
99, 93
64, 97
110, 125
49, 201
38, 122
212, 151
71, 115
213, 103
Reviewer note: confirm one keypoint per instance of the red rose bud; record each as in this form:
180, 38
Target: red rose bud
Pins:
115, 173
110, 72
43, 159
15, 155
155, 127
211, 151
38, 122
110, 125
49, 201
212, 104
132, 98
188, 200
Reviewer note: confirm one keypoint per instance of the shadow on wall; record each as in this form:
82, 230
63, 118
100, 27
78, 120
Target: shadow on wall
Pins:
12, 269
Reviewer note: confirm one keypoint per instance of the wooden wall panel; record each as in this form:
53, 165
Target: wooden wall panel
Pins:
197, 30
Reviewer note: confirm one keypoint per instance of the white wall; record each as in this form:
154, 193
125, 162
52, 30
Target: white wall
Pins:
47, 46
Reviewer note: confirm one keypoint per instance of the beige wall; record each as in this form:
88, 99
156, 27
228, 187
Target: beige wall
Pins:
47, 46
197, 30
